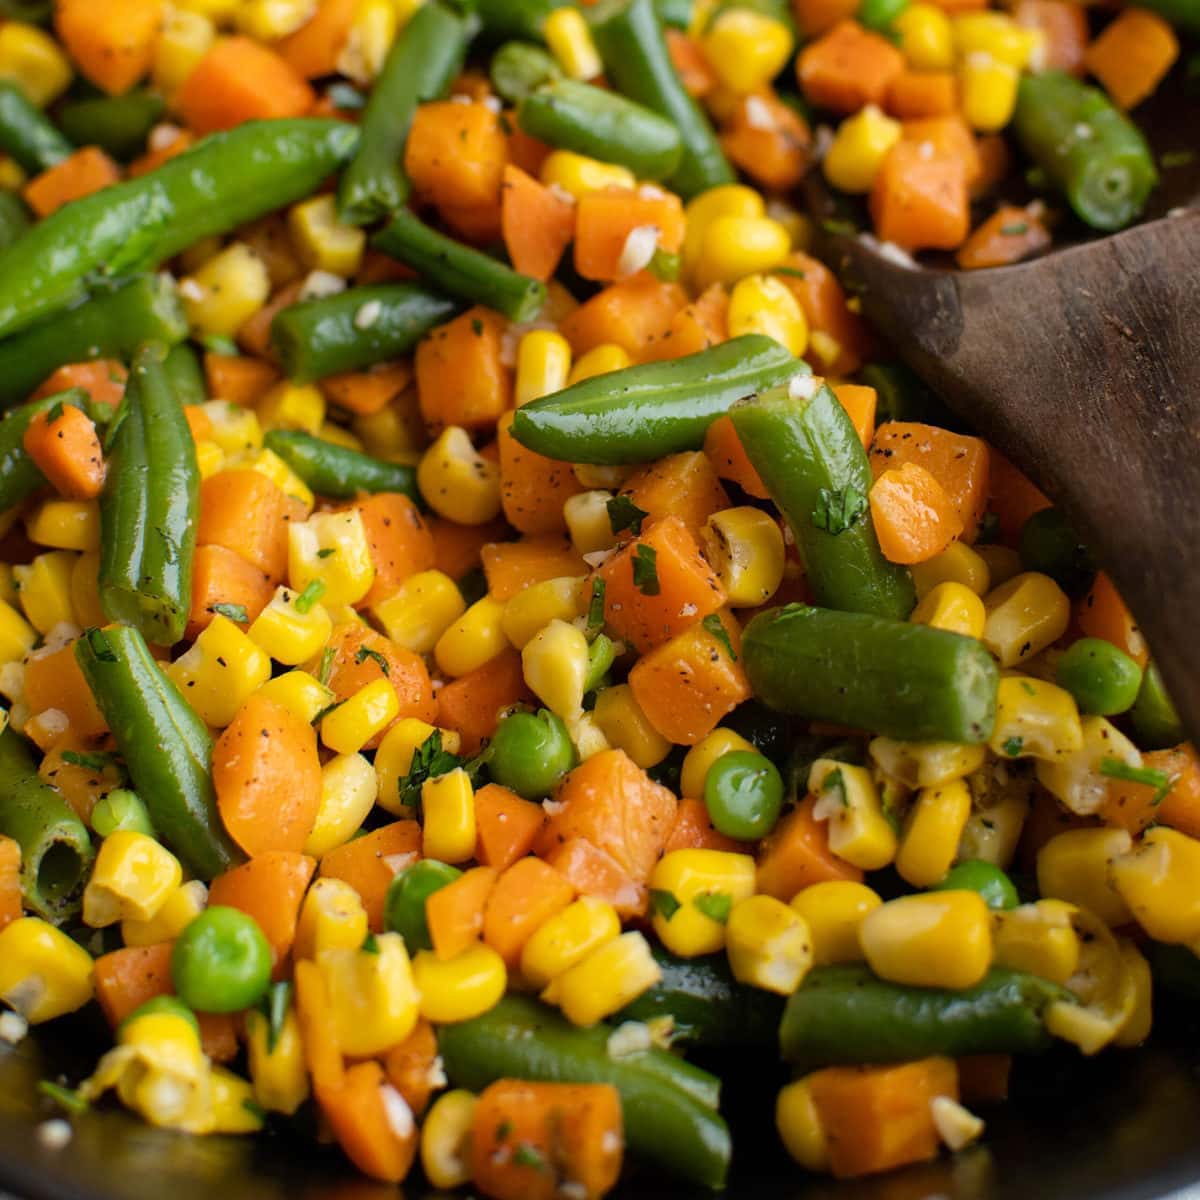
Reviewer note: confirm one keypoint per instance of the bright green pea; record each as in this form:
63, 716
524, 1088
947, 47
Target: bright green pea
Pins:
988, 880
879, 14
122, 810
743, 793
221, 962
169, 1005
1155, 721
1103, 679
530, 754
404, 906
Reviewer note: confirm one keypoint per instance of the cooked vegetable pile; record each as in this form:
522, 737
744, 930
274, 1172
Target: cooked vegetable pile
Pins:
486, 628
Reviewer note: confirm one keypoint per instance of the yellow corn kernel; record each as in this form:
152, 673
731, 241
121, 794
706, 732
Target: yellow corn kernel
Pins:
799, 1126
277, 1070
417, 615
268, 463
322, 242
728, 200
734, 247
577, 175
530, 611
715, 878
333, 548
926, 37
568, 938
460, 988
1024, 616
1157, 880
588, 522
132, 878
234, 428
182, 42
1035, 719
373, 1001
43, 973
300, 693
285, 633
446, 1140
859, 831
764, 304
555, 666
339, 436
931, 836
65, 524
449, 806
1077, 866
290, 405
1039, 938
600, 360
393, 759
270, 20
17, 636
747, 49
178, 911
34, 61
958, 563
220, 672
834, 910
1003, 562
626, 726
226, 291
858, 149
543, 365
8, 587
331, 917
347, 795
1077, 779
395, 433
474, 639
1136, 1027
356, 721
953, 607
745, 547
987, 91
700, 758
210, 458
769, 945
587, 736
925, 764
992, 33
609, 978
936, 939
570, 41
371, 35
45, 587
458, 483
995, 826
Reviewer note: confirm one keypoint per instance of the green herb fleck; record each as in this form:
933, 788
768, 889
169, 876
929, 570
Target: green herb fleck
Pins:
526, 1155
255, 1109
835, 781
326, 551
313, 591
794, 272
664, 265
94, 762
664, 903
235, 612
1177, 158
477, 327
274, 1006
1013, 746
838, 509
365, 652
504, 1131
68, 1099
1161, 781
716, 906
837, 226
595, 616
624, 514
370, 944
716, 627
645, 571
54, 412
325, 670
429, 761
1015, 229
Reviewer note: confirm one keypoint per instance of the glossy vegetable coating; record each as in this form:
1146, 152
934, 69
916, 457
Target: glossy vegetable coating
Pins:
336, 471
221, 962
26, 133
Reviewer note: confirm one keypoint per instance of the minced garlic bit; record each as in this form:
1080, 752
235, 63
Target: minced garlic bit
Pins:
957, 1126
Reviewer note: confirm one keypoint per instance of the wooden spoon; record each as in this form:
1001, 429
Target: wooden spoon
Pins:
1082, 367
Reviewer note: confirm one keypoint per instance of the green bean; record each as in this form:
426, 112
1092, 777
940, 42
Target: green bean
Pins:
185, 375
19, 474
27, 134
519, 67
117, 124
516, 18
14, 218
460, 271
1155, 721
677, 13
337, 471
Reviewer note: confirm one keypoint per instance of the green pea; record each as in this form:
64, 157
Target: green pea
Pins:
404, 906
1155, 720
221, 962
123, 810
530, 754
169, 1005
1103, 679
1049, 545
743, 793
879, 14
988, 880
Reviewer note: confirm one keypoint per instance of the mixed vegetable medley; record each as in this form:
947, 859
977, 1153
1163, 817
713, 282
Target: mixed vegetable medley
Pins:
485, 626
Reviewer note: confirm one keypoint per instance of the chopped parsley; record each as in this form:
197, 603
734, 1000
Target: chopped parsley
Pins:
794, 272
54, 412
526, 1155
835, 781
313, 591
94, 762
716, 906
274, 1006
1013, 746
716, 627
664, 903
1016, 229
68, 1099
624, 514
235, 612
326, 551
370, 944
645, 571
365, 652
325, 670
838, 509
429, 761
664, 265
595, 615
1115, 768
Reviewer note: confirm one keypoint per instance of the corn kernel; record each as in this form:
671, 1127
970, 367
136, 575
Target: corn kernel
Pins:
937, 939
350, 726
371, 35
270, 20
958, 563
1136, 1027
993, 830
626, 726
285, 633
1036, 719
277, 1067
65, 524
268, 463
747, 49
931, 836
577, 175
555, 666
234, 429
1038, 938
764, 304
609, 978
463, 987
339, 436
769, 945
600, 360
1077, 866
393, 759
1024, 616
17, 636
300, 693
687, 888
543, 365
33, 61
568, 938
1157, 880
446, 1140
586, 735
226, 291
953, 607
858, 149
988, 91
332, 916
45, 587
859, 831
992, 33
734, 247
728, 200
290, 405
926, 37
210, 458
347, 795
745, 547
373, 1001
588, 522
448, 803
322, 242
474, 639
834, 910
570, 41
925, 764
332, 548
220, 672
531, 610
395, 433
800, 1128
457, 482
700, 758
43, 973
417, 615
1077, 778
178, 911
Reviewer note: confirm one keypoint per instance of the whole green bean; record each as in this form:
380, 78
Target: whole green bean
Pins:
814, 466
14, 218
185, 375
117, 124
338, 472
424, 59
112, 323
638, 64
19, 474
603, 125
223, 182
843, 1015
665, 1121
1091, 151
355, 328
27, 134
459, 270
149, 506
56, 851
519, 67
516, 18
902, 680
165, 745
642, 413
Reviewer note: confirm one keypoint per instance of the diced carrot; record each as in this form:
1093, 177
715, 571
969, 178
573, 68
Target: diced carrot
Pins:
81, 786
694, 830
525, 151
1064, 29
1133, 806
767, 139
859, 403
877, 1118
684, 485
456, 548
84, 172
354, 668
948, 137
473, 703
400, 541
919, 202
506, 826
696, 327
538, 224
1103, 614
454, 913
313, 50
511, 567
848, 67
369, 864
1180, 808
959, 463
411, 1066
1132, 55
659, 585
533, 488
53, 679
367, 392
594, 872
796, 854
456, 153
241, 80
983, 1078
111, 41
67, 451
727, 454
629, 314
1013, 497
318, 1036
922, 94
363, 1125
605, 220
102, 378
238, 378
688, 58
199, 422
609, 801
840, 341
461, 376
221, 577
1007, 236
254, 335
523, 898
815, 17
540, 1141
10, 881
153, 159
995, 164
126, 979
268, 888
243, 511
914, 519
